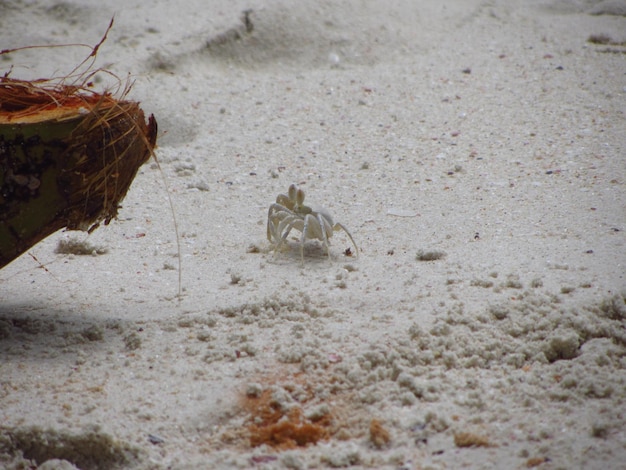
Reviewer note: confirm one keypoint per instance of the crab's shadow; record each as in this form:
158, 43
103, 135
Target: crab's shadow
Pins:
315, 253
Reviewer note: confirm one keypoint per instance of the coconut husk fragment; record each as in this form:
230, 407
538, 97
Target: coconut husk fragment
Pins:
67, 159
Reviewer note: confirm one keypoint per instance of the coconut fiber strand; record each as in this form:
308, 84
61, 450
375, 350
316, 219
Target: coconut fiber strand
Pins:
67, 159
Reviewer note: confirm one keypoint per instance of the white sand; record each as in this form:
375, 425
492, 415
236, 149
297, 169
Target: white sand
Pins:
491, 131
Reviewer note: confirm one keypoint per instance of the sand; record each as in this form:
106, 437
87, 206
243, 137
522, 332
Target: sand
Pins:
475, 150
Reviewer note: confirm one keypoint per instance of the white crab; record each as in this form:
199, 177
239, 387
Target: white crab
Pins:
289, 212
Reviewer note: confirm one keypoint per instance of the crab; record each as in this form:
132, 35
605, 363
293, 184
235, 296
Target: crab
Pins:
289, 212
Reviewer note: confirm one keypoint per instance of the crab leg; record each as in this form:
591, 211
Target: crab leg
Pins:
325, 229
305, 230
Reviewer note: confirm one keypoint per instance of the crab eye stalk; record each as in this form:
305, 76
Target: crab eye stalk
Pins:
299, 197
292, 192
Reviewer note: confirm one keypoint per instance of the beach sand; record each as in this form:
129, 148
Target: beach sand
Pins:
475, 150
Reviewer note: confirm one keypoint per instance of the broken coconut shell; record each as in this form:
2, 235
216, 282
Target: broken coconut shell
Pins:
67, 159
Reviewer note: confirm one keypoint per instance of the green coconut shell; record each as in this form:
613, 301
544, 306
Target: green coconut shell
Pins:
66, 161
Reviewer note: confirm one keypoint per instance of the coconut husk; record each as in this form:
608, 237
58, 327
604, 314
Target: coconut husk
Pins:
67, 159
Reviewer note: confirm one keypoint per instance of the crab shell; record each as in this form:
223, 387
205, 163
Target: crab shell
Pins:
289, 213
